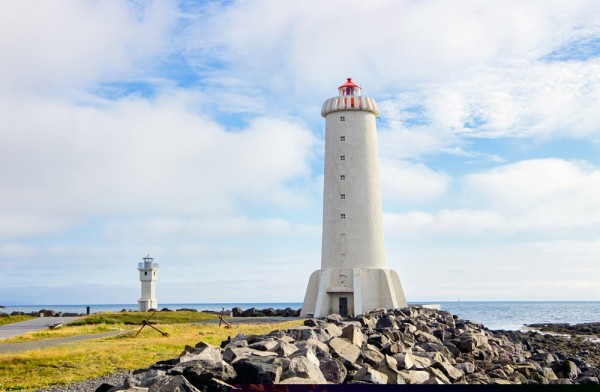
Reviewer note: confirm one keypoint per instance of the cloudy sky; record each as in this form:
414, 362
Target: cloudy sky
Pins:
192, 131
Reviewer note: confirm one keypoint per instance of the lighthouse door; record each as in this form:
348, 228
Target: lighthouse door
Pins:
343, 306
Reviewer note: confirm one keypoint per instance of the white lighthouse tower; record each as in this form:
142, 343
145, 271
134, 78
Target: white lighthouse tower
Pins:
354, 277
148, 270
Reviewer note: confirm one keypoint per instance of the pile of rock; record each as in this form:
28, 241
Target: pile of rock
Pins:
269, 312
45, 313
400, 346
579, 347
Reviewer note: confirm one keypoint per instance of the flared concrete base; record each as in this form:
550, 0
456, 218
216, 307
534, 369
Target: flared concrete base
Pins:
145, 305
352, 291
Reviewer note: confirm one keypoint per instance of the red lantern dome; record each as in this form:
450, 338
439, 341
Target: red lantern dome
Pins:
349, 88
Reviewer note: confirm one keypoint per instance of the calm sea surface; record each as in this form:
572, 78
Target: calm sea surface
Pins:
494, 315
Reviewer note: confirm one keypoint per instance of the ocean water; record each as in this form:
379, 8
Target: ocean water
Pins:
507, 315
515, 315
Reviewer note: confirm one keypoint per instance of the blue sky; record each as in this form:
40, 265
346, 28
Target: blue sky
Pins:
192, 131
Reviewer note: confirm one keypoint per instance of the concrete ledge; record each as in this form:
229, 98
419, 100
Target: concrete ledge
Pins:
427, 306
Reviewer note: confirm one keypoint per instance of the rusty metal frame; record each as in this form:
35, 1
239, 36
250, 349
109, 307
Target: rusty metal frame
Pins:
146, 322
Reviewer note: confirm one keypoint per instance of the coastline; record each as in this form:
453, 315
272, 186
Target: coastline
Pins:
399, 346
508, 315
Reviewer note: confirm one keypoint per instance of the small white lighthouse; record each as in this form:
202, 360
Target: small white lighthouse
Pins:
148, 270
354, 277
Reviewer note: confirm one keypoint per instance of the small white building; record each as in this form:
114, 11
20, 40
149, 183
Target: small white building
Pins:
354, 277
148, 274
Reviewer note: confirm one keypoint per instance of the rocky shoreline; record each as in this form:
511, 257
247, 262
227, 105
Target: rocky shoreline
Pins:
235, 312
251, 312
400, 346
43, 313
590, 329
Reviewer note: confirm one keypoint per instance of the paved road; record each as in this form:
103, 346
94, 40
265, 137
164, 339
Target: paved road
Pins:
16, 347
36, 324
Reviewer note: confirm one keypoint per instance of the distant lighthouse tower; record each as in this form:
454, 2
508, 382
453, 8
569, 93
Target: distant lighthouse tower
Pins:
148, 271
354, 277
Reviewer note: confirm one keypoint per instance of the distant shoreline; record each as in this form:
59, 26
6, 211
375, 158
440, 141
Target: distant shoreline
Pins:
507, 315
255, 304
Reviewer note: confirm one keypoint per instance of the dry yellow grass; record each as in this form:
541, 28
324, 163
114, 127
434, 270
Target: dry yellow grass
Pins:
93, 358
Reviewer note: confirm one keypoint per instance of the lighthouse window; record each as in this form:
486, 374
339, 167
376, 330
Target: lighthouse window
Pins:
343, 196
342, 157
343, 216
145, 273
342, 177
342, 118
342, 138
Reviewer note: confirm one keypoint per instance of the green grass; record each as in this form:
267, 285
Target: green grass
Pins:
136, 318
7, 319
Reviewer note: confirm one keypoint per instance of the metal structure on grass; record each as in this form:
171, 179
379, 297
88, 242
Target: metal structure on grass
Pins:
147, 322
222, 320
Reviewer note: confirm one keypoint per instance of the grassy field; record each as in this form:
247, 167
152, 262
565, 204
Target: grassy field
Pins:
104, 322
136, 318
98, 357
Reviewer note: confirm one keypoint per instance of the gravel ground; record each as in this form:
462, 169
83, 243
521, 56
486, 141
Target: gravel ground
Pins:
88, 385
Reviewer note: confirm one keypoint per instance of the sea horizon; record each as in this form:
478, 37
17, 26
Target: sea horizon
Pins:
509, 315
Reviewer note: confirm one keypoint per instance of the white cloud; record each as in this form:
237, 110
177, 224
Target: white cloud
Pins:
192, 249
56, 46
569, 251
402, 136
163, 229
401, 180
467, 268
406, 38
17, 224
473, 71
16, 250
535, 99
133, 156
531, 98
462, 221
540, 194
166, 170
532, 196
474, 155
584, 286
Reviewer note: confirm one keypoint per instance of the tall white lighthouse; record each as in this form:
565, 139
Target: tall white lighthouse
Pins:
354, 277
148, 270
